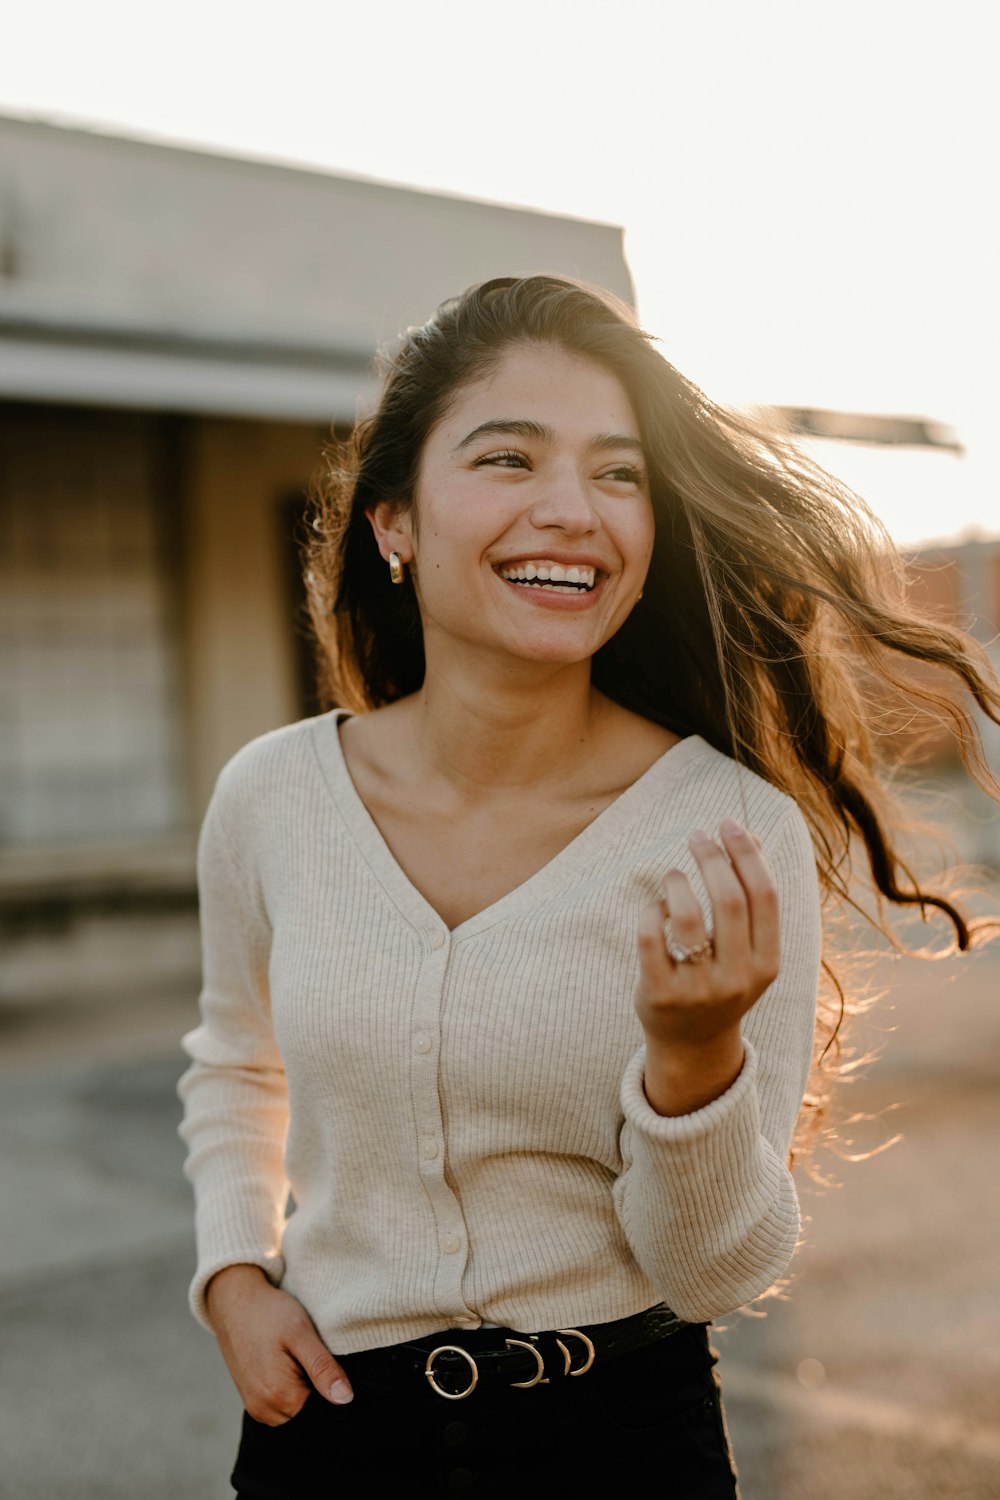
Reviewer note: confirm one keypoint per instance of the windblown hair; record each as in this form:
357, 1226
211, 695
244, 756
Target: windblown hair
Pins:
774, 623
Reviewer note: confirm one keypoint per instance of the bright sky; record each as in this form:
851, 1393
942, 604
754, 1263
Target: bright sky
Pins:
808, 190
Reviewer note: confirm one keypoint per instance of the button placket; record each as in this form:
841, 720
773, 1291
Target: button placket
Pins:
446, 1219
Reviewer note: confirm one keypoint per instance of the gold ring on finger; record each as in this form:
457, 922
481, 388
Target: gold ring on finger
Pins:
699, 954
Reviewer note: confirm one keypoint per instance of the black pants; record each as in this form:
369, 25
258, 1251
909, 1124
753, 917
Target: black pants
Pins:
655, 1412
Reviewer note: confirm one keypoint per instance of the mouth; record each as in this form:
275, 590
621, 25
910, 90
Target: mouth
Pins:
547, 576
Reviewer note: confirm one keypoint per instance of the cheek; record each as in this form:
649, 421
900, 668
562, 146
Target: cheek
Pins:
457, 527
637, 536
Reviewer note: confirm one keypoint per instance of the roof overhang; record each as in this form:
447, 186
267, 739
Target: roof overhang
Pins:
257, 384
47, 354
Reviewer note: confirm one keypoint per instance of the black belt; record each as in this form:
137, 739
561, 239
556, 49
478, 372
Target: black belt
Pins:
453, 1363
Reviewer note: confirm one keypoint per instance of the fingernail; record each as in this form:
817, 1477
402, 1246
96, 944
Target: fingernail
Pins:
699, 836
341, 1392
730, 825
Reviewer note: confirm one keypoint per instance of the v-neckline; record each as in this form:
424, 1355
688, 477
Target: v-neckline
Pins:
410, 901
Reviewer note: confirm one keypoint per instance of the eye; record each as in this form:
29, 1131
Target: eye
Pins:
508, 459
625, 473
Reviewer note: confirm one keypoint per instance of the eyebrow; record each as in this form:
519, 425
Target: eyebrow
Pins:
523, 427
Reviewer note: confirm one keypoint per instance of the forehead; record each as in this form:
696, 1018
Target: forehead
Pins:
570, 393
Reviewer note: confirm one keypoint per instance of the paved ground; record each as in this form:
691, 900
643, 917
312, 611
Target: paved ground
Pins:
878, 1378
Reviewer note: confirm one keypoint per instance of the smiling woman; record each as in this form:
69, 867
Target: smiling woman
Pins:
526, 1044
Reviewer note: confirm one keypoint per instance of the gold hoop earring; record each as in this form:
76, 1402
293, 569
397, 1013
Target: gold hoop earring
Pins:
396, 570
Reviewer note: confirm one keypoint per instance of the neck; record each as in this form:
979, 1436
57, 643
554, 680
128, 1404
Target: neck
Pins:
482, 732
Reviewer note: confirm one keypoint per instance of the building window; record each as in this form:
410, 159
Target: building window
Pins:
89, 732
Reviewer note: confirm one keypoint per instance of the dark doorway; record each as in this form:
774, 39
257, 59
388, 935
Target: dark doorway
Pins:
292, 517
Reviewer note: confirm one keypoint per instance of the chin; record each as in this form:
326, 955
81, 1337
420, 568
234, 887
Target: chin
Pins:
551, 653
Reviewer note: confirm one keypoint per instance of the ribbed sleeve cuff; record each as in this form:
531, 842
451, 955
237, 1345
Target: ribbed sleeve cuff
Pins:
707, 1206
701, 1124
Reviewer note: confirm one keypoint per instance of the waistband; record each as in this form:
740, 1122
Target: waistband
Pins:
454, 1363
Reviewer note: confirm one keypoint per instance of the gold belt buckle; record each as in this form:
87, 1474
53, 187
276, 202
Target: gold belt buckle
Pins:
576, 1334
451, 1349
538, 1378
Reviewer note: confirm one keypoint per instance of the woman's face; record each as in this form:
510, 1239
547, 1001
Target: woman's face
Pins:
533, 527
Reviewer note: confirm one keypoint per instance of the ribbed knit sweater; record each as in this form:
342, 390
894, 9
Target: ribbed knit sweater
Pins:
459, 1116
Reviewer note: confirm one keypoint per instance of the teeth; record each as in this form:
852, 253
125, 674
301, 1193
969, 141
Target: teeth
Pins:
550, 574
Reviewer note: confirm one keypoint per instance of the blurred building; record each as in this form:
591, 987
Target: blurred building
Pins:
957, 584
178, 332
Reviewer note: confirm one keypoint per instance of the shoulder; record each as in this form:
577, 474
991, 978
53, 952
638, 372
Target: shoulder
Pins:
269, 765
723, 787
267, 788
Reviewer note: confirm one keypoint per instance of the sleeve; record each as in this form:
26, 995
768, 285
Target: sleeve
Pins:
706, 1200
234, 1093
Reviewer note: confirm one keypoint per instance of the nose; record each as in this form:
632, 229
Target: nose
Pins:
565, 502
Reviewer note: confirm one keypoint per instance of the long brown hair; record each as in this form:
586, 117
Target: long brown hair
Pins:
774, 619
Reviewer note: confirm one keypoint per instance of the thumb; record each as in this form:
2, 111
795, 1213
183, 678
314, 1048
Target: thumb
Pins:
323, 1370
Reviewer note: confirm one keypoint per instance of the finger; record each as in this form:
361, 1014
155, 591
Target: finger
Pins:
754, 874
277, 1400
687, 925
326, 1374
657, 967
730, 918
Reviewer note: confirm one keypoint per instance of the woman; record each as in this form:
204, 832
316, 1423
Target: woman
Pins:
519, 946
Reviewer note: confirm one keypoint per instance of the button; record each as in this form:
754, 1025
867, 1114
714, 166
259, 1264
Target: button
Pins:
438, 938
460, 1480
422, 1042
450, 1243
456, 1435
430, 1147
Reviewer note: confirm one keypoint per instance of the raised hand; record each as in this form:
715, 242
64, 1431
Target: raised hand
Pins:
691, 1007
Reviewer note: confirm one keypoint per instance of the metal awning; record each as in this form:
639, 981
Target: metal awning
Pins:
162, 372
868, 427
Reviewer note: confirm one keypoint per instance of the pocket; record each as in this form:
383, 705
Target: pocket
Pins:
280, 1463
690, 1441
656, 1409
657, 1384
271, 1429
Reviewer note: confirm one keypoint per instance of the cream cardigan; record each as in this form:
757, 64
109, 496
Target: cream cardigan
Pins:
459, 1115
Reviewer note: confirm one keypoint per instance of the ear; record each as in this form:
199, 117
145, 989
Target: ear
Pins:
390, 521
